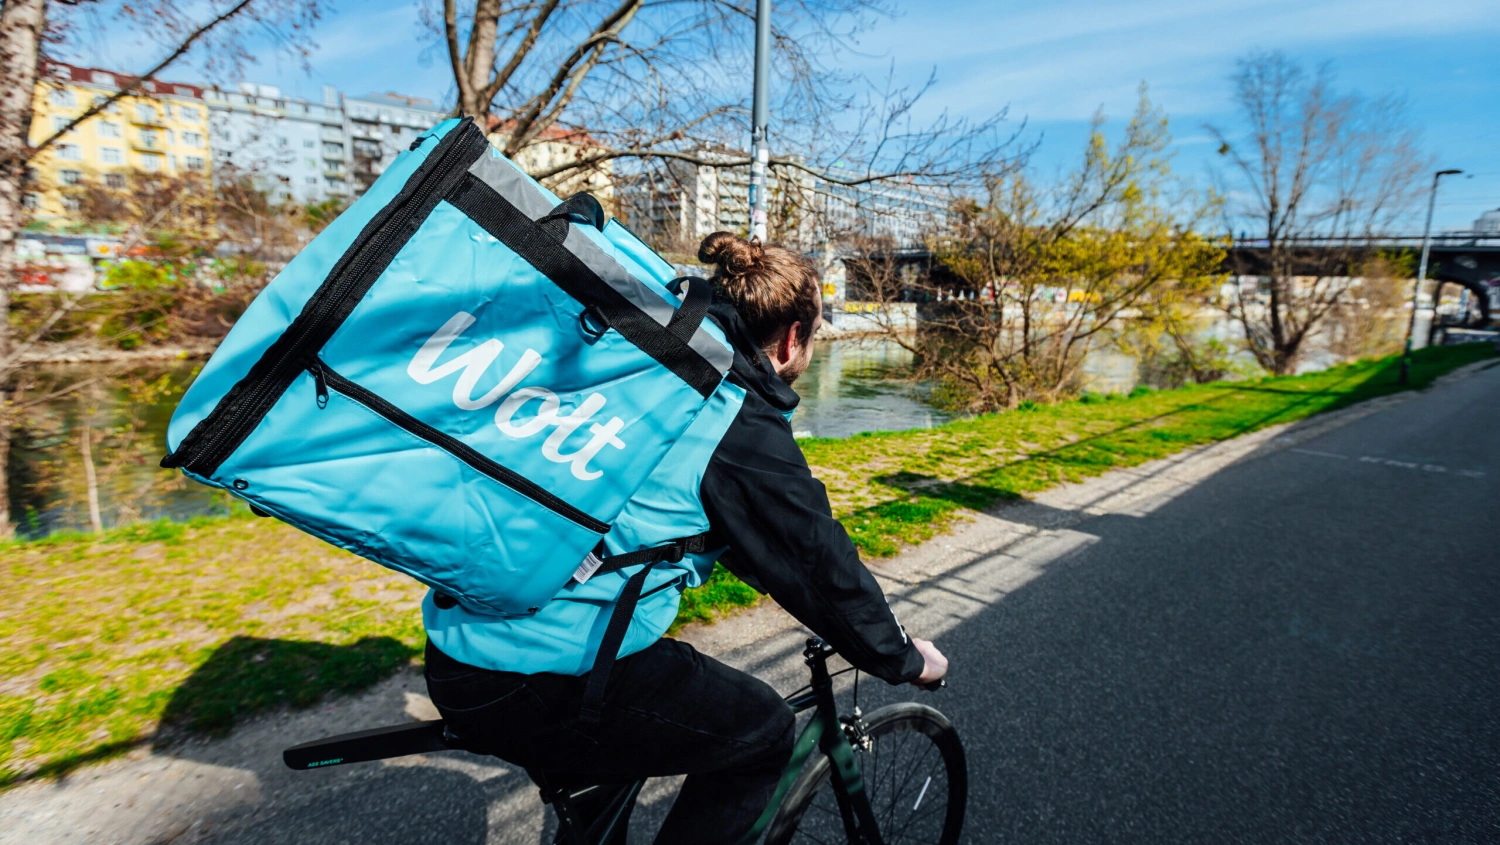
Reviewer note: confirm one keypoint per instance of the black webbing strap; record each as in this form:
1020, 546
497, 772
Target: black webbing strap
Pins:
544, 251
579, 208
689, 315
619, 620
609, 647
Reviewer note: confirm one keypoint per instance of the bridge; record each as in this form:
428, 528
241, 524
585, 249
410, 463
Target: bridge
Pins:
1470, 260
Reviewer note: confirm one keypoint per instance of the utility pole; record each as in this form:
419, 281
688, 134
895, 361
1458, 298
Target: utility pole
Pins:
760, 151
1416, 294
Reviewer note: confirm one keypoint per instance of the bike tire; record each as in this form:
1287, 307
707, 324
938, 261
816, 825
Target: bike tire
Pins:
893, 730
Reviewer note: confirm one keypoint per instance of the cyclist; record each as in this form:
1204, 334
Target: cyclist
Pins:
513, 687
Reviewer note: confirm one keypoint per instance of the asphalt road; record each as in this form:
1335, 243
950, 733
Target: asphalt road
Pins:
1301, 645
1305, 647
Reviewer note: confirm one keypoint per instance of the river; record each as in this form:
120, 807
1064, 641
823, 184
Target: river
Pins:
852, 386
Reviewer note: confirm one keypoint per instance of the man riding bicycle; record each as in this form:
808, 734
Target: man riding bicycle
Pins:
514, 687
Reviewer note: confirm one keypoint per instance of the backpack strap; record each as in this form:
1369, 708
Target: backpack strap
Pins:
619, 620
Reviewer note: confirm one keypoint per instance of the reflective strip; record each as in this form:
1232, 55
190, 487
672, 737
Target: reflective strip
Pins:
509, 182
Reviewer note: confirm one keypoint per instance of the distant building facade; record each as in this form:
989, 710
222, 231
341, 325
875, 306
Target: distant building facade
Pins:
379, 127
293, 149
1488, 223
162, 130
681, 203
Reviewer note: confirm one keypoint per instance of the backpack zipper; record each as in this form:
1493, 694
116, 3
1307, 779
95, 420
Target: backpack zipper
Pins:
325, 378
222, 431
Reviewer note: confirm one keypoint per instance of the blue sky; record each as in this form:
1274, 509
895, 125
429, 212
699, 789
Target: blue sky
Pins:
1054, 63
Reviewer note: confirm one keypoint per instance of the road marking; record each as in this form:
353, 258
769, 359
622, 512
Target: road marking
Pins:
1391, 462
1319, 454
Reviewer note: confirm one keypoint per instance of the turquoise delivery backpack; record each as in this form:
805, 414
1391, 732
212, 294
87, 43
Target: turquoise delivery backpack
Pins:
462, 378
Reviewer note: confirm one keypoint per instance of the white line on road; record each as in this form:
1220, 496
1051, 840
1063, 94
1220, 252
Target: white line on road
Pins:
1391, 462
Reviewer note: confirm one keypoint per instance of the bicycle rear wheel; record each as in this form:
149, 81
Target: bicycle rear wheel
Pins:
915, 777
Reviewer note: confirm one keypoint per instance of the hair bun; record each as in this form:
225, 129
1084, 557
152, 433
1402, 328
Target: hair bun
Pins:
734, 255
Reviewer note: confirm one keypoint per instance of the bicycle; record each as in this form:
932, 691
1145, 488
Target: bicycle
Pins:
859, 788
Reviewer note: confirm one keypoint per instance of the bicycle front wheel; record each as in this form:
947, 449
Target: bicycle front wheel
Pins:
915, 777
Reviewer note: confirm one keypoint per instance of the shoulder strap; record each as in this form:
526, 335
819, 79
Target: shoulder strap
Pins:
619, 620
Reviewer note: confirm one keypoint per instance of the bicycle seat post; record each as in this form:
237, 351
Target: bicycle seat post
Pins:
816, 657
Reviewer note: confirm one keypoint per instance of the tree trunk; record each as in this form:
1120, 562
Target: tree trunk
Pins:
21, 25
90, 478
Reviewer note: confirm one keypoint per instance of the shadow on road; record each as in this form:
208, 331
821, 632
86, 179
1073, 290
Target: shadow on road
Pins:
1302, 649
249, 674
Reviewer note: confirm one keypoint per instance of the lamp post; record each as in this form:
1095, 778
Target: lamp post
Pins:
760, 152
1416, 294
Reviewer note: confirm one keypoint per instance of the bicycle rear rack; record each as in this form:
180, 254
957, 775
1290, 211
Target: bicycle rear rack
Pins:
374, 744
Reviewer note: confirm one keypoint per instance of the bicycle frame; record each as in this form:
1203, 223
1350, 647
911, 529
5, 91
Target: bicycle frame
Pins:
824, 732
827, 733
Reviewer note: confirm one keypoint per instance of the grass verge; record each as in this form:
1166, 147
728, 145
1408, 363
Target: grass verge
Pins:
108, 643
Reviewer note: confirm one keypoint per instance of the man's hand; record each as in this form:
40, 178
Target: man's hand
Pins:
937, 664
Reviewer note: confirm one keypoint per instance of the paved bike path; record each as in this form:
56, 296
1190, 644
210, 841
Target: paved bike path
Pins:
1289, 636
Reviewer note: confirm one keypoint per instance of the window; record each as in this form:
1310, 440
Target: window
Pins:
150, 138
32, 201
311, 163
167, 109
193, 162
172, 161
69, 152
309, 144
226, 135
102, 78
70, 177
72, 203
183, 91
150, 162
108, 129
331, 147
192, 139
145, 113
114, 181
59, 122
170, 138
312, 180
189, 113
281, 140
111, 155
62, 97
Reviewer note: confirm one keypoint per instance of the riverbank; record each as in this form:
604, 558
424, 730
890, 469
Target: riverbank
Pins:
148, 632
91, 351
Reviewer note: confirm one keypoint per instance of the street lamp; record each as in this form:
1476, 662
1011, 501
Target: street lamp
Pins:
760, 152
1416, 294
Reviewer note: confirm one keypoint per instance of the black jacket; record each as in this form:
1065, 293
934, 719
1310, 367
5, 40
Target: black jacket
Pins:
763, 502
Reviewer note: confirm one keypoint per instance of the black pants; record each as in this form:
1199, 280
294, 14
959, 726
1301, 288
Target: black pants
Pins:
668, 710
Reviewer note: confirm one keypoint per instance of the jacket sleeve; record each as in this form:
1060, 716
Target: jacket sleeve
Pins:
763, 502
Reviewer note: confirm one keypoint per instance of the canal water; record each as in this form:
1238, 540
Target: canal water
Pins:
851, 386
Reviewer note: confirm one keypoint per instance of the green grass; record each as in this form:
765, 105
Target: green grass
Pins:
112, 642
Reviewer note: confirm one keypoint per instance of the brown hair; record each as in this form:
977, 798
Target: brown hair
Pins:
770, 286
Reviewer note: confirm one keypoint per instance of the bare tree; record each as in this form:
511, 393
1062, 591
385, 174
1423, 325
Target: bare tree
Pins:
650, 83
1316, 175
1034, 278
220, 34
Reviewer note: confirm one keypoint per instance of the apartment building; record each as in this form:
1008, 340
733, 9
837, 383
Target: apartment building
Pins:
677, 205
379, 127
293, 149
163, 129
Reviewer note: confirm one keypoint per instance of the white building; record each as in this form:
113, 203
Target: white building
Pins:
295, 150
682, 203
1488, 223
382, 125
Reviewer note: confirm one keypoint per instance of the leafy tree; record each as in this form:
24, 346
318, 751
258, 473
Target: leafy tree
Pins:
1040, 276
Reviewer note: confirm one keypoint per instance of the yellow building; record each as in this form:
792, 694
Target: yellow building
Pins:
162, 130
